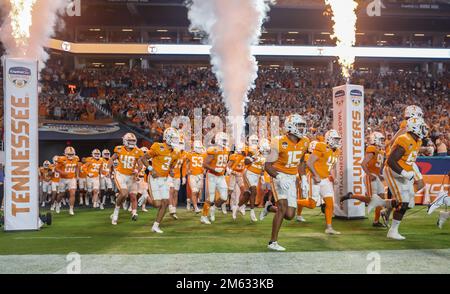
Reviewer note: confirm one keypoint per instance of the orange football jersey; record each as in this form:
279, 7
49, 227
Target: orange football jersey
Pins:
105, 170
238, 160
327, 159
220, 159
93, 167
195, 164
374, 165
178, 167
55, 174
127, 160
411, 147
290, 154
69, 166
163, 158
45, 173
257, 166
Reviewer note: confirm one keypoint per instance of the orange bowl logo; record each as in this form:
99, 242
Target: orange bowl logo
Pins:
19, 76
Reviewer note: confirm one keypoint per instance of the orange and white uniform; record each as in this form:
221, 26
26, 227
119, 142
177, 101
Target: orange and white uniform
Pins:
237, 169
196, 170
215, 180
163, 160
175, 181
374, 165
126, 164
327, 159
46, 179
55, 178
288, 156
142, 182
93, 169
68, 180
255, 171
82, 175
105, 176
403, 189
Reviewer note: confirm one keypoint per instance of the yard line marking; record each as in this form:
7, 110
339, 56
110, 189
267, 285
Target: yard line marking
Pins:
175, 237
26, 238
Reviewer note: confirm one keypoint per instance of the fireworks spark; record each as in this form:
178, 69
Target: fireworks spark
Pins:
344, 30
21, 20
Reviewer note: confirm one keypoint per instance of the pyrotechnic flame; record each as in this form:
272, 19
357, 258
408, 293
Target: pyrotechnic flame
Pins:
344, 30
21, 20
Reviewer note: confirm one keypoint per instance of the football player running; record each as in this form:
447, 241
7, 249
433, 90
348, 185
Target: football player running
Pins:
195, 171
215, 165
160, 161
178, 179
322, 164
287, 154
237, 188
441, 200
55, 183
94, 167
372, 165
45, 177
67, 167
106, 186
127, 156
400, 173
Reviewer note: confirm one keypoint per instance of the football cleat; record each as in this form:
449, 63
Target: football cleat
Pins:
443, 216
395, 235
265, 211
113, 219
331, 231
205, 220
134, 217
253, 216
174, 216
224, 208
275, 247
242, 209
71, 211
378, 225
300, 219
156, 229
438, 202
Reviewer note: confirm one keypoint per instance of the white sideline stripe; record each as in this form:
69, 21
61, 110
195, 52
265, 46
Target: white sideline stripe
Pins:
359, 262
27, 238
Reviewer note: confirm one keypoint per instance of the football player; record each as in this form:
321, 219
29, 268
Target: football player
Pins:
82, 186
254, 174
239, 193
441, 200
94, 167
287, 154
160, 161
67, 167
178, 179
215, 165
322, 164
45, 177
127, 156
106, 186
55, 183
372, 165
400, 173
195, 171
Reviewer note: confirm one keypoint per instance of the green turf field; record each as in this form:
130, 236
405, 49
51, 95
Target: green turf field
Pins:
90, 232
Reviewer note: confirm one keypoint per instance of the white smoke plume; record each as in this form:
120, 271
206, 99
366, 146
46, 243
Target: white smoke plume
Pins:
232, 26
45, 15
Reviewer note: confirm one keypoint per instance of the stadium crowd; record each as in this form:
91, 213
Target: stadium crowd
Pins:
149, 99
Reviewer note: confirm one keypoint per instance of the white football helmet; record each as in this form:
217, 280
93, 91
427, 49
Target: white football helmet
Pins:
239, 147
69, 152
54, 159
264, 147
377, 139
106, 154
96, 154
413, 111
129, 140
198, 147
295, 124
221, 139
171, 137
417, 126
46, 164
333, 139
312, 146
253, 141
144, 149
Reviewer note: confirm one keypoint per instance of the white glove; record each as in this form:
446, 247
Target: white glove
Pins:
218, 170
305, 187
282, 181
183, 181
229, 171
409, 175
